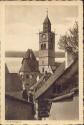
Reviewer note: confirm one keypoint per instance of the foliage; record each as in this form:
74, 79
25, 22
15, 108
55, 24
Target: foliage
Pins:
69, 41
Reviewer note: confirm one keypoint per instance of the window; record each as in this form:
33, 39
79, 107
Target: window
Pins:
42, 69
45, 28
27, 76
43, 46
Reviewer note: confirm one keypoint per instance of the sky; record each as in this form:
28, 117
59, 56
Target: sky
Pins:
23, 23
0, 24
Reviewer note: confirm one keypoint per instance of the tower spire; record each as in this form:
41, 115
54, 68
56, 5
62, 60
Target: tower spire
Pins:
47, 23
46, 46
47, 12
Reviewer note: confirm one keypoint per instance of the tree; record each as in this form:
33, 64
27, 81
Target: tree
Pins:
69, 41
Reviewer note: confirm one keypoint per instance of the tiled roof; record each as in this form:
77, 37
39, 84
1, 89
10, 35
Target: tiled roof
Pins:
47, 20
17, 96
29, 62
50, 81
38, 82
13, 86
29, 53
25, 67
65, 96
13, 82
59, 76
69, 73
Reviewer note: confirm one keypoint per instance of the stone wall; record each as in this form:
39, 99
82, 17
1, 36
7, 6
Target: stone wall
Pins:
67, 110
18, 109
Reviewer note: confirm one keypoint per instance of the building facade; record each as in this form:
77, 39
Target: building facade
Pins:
61, 89
28, 70
18, 108
15, 104
46, 47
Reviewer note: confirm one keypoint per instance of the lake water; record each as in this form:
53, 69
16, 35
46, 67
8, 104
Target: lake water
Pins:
14, 63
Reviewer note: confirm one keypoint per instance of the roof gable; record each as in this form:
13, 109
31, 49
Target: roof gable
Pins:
29, 62
58, 76
51, 80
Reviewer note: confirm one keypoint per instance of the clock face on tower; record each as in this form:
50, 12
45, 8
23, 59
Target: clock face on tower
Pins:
43, 36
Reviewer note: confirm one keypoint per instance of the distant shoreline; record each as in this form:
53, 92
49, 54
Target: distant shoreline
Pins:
20, 54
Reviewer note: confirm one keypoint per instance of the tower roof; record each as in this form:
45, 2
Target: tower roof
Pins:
29, 62
47, 24
47, 20
25, 67
28, 54
13, 82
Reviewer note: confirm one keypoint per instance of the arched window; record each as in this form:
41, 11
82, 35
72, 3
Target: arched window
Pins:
42, 69
44, 46
41, 46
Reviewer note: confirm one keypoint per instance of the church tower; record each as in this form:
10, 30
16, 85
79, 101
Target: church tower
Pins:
46, 47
